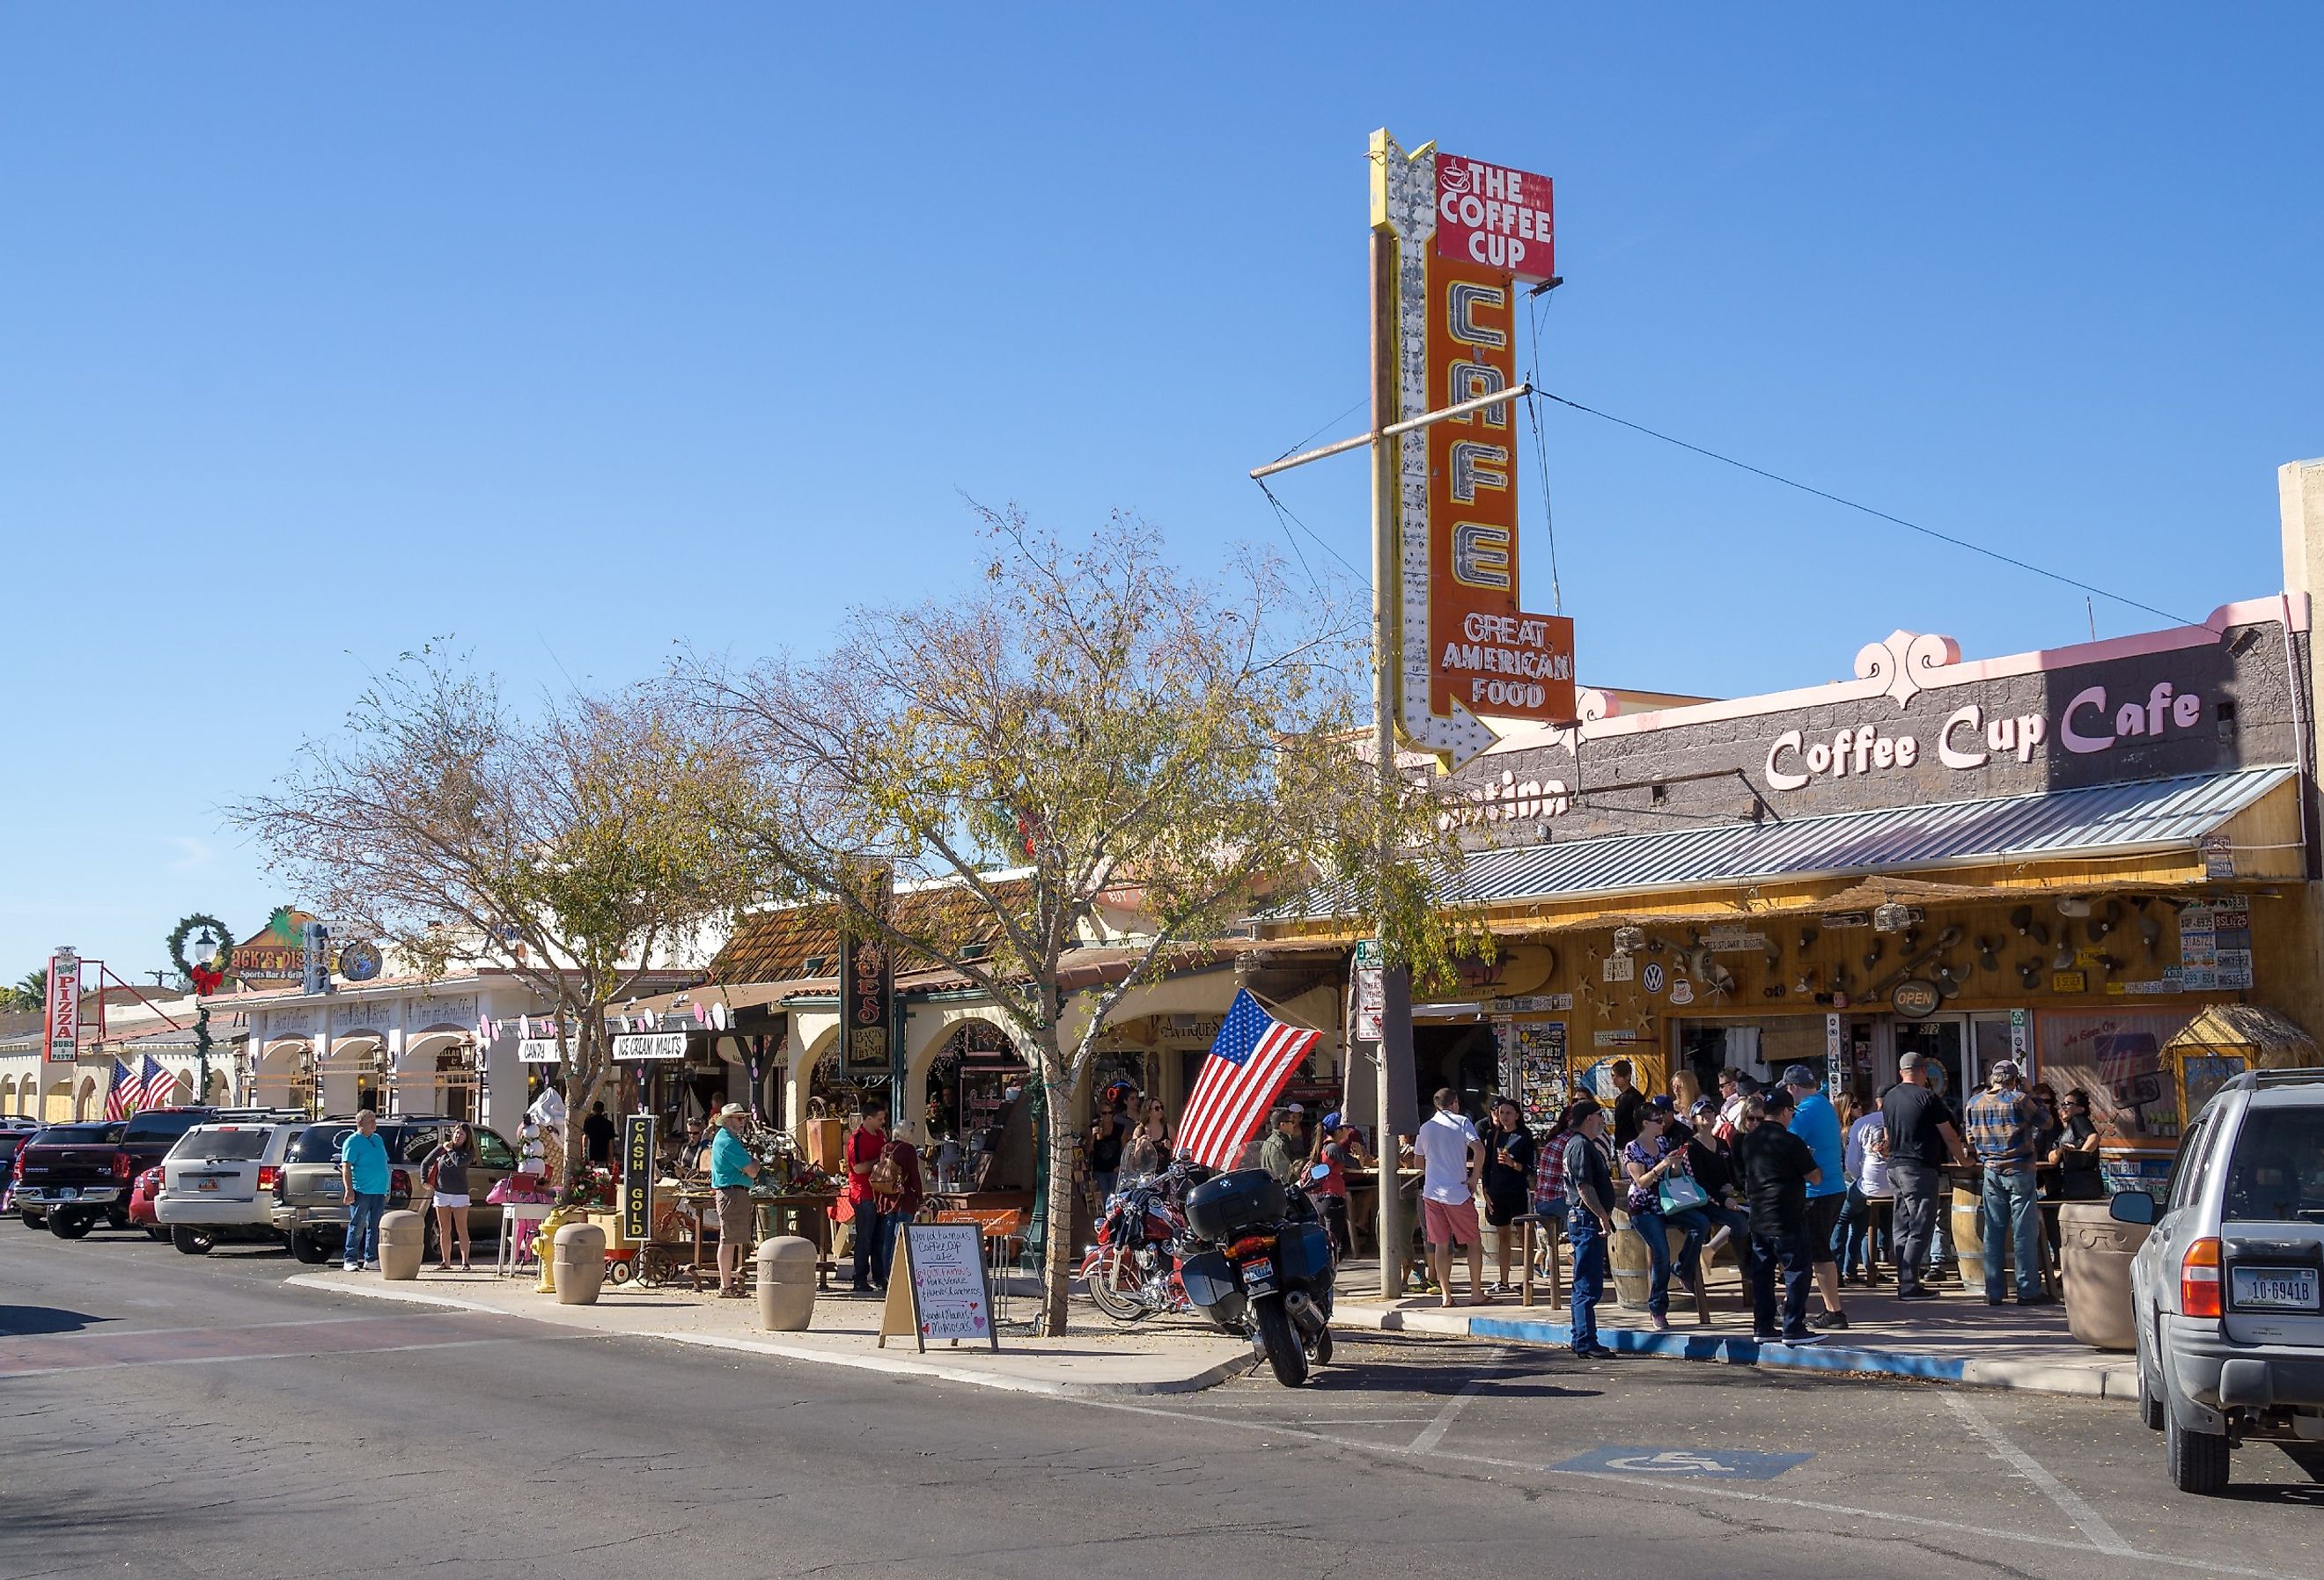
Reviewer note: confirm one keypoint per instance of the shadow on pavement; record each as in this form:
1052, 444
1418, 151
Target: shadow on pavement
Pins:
17, 1321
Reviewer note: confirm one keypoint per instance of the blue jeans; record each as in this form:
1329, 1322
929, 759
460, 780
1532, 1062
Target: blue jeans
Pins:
362, 1228
871, 1245
2011, 1195
1796, 1251
1656, 1229
1589, 1241
1859, 1252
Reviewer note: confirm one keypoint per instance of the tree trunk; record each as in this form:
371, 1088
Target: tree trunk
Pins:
1064, 1158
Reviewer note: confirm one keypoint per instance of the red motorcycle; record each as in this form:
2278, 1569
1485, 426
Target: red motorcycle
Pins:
1132, 1270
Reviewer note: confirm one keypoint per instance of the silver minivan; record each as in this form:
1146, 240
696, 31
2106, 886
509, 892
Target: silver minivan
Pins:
218, 1182
2229, 1289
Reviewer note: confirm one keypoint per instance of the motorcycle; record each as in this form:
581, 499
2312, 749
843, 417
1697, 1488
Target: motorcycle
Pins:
1264, 1268
1131, 1273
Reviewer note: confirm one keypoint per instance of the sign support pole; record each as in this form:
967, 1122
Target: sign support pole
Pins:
1396, 1024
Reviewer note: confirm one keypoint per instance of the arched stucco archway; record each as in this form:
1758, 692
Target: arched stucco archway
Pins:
434, 1074
279, 1079
86, 1105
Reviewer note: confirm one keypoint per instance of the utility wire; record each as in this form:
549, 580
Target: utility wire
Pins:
1868, 510
1284, 512
1334, 422
1541, 459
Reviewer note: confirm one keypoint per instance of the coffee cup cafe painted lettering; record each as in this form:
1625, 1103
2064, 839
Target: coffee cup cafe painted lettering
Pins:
2100, 857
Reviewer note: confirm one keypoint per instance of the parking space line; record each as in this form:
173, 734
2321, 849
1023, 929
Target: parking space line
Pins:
1434, 1433
1663, 1488
2068, 1501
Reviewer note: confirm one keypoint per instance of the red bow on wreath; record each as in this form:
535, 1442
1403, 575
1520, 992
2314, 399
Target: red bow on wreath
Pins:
207, 979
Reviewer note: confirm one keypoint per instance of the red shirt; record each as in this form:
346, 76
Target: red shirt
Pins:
863, 1148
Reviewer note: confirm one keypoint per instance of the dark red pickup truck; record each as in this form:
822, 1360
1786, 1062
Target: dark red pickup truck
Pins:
72, 1176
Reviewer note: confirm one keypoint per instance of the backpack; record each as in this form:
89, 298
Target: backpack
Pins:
887, 1177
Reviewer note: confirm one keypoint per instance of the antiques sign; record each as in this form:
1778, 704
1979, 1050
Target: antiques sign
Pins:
867, 986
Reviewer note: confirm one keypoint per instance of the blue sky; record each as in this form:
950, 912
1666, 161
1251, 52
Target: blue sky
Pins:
573, 330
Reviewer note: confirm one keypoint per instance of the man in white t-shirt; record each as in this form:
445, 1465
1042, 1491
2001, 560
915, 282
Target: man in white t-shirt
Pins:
1451, 1157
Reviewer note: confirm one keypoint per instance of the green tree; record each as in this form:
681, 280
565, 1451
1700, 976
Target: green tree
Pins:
575, 848
1109, 727
31, 991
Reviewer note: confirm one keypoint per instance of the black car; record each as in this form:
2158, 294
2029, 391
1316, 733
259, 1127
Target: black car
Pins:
71, 1175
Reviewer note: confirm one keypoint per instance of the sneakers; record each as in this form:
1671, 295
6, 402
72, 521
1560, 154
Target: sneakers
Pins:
1920, 1294
1593, 1352
1801, 1340
348, 1266
371, 1267
1767, 1338
2037, 1300
1830, 1321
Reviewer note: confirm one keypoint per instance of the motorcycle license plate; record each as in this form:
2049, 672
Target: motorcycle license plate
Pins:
1258, 1275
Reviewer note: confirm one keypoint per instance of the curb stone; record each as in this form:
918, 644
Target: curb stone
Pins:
897, 1365
2110, 1381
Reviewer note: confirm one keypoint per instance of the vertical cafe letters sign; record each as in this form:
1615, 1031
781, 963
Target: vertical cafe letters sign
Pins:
64, 1007
867, 984
1453, 240
636, 1177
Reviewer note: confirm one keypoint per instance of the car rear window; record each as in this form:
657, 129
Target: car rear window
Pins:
221, 1146
155, 1127
2278, 1173
319, 1143
79, 1135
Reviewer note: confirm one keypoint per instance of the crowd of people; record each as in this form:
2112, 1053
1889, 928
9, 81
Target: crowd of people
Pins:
1813, 1197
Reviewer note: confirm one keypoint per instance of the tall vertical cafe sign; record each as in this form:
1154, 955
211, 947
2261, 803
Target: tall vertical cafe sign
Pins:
867, 984
1459, 237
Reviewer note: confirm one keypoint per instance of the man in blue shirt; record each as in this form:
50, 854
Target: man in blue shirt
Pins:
731, 1169
1815, 1121
363, 1177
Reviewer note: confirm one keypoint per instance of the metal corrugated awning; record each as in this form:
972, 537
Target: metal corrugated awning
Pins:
2112, 820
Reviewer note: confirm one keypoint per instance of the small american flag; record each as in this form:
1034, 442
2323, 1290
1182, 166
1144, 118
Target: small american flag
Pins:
1251, 1063
151, 1089
117, 1096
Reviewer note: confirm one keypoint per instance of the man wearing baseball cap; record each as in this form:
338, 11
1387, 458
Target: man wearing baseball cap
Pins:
2000, 1121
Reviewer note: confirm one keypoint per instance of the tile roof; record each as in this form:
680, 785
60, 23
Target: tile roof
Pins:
775, 946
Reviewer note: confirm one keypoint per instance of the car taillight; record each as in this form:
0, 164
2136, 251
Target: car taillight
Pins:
400, 1183
2198, 1279
267, 1175
124, 1169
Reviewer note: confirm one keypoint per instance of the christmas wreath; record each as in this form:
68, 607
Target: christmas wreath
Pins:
207, 975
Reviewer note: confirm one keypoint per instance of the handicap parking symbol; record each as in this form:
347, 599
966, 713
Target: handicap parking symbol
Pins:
1726, 1464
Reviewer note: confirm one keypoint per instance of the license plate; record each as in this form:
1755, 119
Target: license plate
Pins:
2276, 1288
1258, 1274
205, 1184
68, 1192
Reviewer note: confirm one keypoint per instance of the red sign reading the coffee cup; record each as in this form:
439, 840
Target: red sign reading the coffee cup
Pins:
1491, 215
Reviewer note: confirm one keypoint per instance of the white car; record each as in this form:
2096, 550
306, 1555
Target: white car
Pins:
2229, 1289
219, 1183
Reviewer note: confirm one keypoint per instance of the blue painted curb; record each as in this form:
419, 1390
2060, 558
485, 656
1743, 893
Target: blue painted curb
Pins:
1732, 1349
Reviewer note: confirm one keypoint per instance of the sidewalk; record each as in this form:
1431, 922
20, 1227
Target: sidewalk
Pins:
1096, 1361
1957, 1339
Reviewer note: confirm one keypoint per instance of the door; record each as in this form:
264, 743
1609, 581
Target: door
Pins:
1941, 1039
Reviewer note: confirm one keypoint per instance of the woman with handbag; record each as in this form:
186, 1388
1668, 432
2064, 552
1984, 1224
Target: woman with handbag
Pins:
1663, 1199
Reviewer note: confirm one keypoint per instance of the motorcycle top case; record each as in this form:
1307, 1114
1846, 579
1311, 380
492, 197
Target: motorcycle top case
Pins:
1227, 1205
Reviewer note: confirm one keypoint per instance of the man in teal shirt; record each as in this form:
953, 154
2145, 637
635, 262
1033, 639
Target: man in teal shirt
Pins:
731, 1169
363, 1178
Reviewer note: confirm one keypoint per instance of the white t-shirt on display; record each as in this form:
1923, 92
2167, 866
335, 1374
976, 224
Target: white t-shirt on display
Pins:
1443, 1144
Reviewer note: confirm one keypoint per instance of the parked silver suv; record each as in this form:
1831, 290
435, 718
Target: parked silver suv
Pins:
2229, 1289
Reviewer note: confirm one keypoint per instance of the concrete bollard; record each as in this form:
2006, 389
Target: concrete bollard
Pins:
785, 1284
580, 1257
402, 1244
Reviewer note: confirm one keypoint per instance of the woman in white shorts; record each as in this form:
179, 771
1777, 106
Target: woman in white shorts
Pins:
447, 1176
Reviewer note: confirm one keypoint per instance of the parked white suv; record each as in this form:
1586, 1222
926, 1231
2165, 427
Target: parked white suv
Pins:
218, 1182
2228, 1290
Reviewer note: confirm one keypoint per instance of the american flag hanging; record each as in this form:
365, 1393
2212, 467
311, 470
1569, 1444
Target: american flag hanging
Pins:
1251, 1062
154, 1089
117, 1095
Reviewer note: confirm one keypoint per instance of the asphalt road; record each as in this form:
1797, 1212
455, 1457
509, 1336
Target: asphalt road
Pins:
161, 1414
